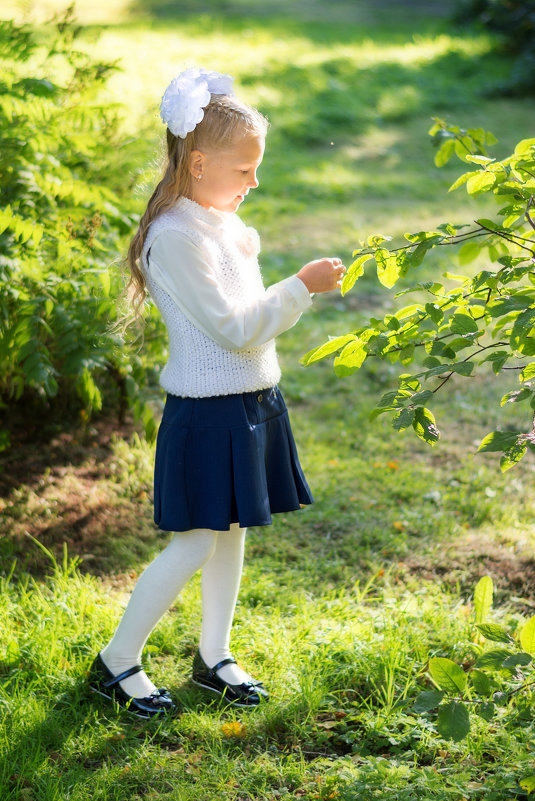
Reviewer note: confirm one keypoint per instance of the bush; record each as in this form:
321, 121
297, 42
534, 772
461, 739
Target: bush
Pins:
64, 218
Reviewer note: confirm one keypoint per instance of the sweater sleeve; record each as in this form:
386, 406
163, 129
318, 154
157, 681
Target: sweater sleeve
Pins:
179, 267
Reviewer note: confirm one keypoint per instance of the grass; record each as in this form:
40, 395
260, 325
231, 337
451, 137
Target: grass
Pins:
342, 604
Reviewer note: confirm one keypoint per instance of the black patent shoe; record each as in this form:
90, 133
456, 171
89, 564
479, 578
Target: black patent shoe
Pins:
249, 693
103, 682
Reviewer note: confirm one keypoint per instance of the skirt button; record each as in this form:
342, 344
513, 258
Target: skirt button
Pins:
260, 398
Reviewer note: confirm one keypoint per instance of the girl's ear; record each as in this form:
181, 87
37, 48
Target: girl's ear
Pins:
196, 163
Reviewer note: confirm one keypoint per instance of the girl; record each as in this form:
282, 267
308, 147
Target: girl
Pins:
225, 455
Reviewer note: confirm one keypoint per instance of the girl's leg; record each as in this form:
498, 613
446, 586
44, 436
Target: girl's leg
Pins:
220, 584
153, 594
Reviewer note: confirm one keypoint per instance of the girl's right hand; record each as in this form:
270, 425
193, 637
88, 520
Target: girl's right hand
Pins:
322, 275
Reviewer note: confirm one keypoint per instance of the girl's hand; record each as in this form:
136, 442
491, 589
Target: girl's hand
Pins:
322, 275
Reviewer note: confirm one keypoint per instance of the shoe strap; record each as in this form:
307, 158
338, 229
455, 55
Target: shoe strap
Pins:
228, 661
127, 673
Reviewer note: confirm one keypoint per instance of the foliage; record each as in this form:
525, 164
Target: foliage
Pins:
514, 22
60, 227
499, 683
488, 317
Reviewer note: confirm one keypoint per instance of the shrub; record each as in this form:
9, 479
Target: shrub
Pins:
64, 217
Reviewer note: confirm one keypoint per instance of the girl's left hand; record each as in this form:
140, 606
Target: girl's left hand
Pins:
322, 275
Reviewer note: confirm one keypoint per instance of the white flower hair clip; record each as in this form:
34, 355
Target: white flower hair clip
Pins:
186, 97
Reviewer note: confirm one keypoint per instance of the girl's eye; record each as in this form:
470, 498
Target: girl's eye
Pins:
244, 172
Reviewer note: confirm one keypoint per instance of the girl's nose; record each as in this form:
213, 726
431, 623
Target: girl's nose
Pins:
253, 183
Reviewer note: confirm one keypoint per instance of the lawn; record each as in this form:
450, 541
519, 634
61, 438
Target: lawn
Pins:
343, 604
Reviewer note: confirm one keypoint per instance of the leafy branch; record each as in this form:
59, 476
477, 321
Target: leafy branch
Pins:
497, 303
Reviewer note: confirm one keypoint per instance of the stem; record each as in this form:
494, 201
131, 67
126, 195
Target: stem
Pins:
459, 237
442, 383
522, 687
508, 239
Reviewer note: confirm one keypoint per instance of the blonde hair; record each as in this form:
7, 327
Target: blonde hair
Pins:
226, 119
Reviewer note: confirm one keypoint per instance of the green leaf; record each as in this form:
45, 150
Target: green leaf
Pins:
425, 426
524, 146
481, 182
374, 240
388, 267
468, 252
480, 159
406, 355
403, 419
434, 311
326, 349
453, 721
445, 152
498, 441
491, 631
350, 359
354, 272
463, 368
516, 396
463, 324
518, 302
513, 455
521, 329
483, 594
493, 659
419, 398
425, 236
527, 636
497, 359
460, 343
462, 180
448, 675
409, 311
427, 700
528, 372
481, 682
517, 660
528, 784
486, 710
377, 344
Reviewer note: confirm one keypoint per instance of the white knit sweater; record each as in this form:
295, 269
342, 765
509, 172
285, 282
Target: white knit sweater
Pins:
201, 267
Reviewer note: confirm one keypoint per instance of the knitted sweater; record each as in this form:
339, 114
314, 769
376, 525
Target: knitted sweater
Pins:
201, 268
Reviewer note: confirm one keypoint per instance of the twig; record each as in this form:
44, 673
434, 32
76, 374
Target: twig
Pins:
508, 239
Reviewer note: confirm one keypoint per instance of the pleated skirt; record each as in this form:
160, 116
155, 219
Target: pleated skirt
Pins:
226, 459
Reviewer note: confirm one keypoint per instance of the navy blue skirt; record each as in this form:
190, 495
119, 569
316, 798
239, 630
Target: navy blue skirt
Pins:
226, 459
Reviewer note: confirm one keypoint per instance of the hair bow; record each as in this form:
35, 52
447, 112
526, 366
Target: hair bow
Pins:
184, 100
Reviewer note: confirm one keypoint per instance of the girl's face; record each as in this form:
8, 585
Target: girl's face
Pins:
227, 175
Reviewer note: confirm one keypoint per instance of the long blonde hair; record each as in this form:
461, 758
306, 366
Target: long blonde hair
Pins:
225, 119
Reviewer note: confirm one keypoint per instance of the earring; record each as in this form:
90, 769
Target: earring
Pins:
199, 176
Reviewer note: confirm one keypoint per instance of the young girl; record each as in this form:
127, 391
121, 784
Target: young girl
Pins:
225, 455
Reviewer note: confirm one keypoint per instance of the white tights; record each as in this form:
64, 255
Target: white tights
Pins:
220, 555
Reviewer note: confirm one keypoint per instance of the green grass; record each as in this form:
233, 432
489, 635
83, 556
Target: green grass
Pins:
343, 604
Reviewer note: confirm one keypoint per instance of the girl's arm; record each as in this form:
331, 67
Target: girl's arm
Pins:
179, 267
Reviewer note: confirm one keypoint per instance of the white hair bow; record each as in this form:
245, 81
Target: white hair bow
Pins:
184, 100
